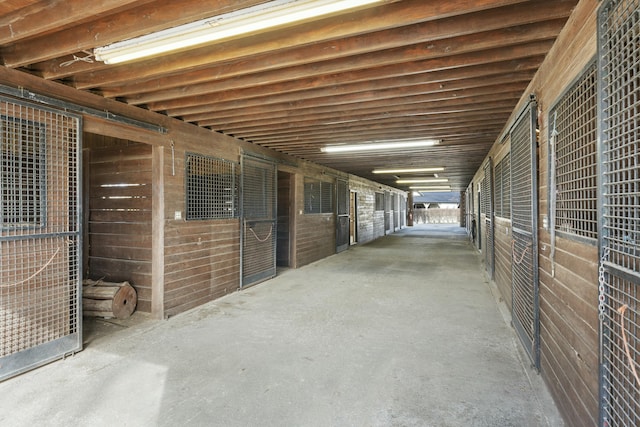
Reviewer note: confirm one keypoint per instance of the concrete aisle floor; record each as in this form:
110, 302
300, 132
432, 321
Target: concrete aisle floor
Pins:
404, 331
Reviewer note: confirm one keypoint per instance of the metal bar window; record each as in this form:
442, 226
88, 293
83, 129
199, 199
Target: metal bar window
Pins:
502, 189
211, 191
573, 141
379, 201
318, 196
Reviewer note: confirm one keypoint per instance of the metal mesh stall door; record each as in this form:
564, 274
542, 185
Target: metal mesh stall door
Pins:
259, 220
619, 308
342, 225
40, 311
525, 309
487, 193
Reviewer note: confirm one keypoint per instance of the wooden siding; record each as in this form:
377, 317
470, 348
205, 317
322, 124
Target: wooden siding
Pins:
315, 233
569, 297
118, 231
201, 257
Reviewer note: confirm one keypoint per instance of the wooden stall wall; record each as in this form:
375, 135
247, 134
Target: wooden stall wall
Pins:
568, 301
370, 222
201, 257
315, 232
117, 199
569, 298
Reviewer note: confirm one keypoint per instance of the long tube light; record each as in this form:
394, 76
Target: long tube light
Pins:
273, 14
421, 180
431, 188
373, 146
410, 170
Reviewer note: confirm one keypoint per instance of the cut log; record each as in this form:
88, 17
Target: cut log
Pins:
107, 299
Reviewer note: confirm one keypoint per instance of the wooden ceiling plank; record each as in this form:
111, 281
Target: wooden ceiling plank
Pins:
265, 127
371, 125
386, 16
50, 15
210, 80
496, 107
337, 133
449, 62
498, 100
448, 47
379, 89
382, 125
147, 17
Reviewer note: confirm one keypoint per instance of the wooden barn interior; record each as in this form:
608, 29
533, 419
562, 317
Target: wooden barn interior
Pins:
197, 172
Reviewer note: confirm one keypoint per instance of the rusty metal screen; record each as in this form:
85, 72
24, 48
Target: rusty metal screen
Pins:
259, 220
619, 278
40, 311
525, 309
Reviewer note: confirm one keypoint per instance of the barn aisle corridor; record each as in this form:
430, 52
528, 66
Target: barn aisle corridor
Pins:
404, 331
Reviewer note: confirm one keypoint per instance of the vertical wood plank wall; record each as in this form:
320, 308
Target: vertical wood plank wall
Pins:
569, 300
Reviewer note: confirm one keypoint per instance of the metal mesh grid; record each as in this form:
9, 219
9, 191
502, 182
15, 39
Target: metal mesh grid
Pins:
211, 188
525, 309
259, 193
326, 196
39, 237
521, 190
619, 380
379, 201
318, 196
575, 125
488, 196
502, 173
619, 56
343, 197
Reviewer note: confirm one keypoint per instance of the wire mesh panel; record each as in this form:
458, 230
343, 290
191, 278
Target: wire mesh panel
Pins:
525, 310
40, 312
342, 225
619, 56
211, 191
487, 194
259, 198
573, 135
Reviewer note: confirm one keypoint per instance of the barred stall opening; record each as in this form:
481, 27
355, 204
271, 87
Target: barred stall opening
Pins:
572, 145
342, 224
487, 195
259, 213
619, 308
524, 208
40, 280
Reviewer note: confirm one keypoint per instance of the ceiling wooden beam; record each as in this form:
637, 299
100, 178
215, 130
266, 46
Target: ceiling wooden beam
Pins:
407, 12
343, 72
142, 19
226, 78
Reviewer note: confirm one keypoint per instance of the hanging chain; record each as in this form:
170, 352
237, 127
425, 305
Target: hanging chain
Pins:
602, 284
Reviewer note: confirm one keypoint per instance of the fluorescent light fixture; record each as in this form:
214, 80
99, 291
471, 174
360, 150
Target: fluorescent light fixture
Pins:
431, 188
273, 14
387, 145
412, 170
421, 180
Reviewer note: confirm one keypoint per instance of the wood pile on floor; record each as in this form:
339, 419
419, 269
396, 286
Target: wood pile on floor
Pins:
108, 299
